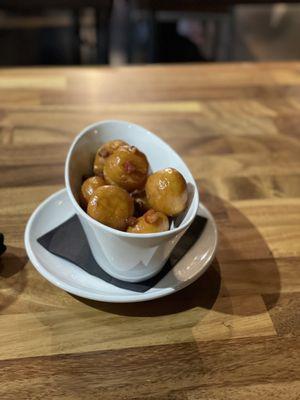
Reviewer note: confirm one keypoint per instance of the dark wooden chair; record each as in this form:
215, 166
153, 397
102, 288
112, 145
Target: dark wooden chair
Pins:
103, 12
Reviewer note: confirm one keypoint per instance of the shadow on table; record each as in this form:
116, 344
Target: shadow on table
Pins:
201, 293
248, 268
235, 272
12, 276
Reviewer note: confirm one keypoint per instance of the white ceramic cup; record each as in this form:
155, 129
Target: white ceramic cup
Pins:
128, 256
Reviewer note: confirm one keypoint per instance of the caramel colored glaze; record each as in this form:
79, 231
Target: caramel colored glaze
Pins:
151, 222
103, 153
111, 206
166, 191
141, 203
127, 167
88, 188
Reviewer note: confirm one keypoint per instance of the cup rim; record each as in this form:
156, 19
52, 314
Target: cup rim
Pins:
98, 224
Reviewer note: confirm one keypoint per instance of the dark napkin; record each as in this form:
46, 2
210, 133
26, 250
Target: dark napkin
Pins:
69, 241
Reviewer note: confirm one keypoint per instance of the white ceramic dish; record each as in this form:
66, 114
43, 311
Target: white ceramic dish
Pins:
67, 276
128, 256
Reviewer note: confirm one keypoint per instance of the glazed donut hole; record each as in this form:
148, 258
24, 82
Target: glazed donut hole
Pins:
124, 196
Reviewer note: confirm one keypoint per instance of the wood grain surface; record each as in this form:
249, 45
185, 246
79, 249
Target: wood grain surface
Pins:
234, 334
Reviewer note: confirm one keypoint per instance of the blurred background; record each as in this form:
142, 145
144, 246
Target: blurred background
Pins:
89, 32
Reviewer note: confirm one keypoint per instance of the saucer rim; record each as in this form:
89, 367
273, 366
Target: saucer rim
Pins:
115, 298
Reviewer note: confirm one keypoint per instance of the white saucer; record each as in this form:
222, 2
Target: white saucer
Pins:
67, 276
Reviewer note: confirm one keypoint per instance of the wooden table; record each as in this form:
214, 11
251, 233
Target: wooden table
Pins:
234, 334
